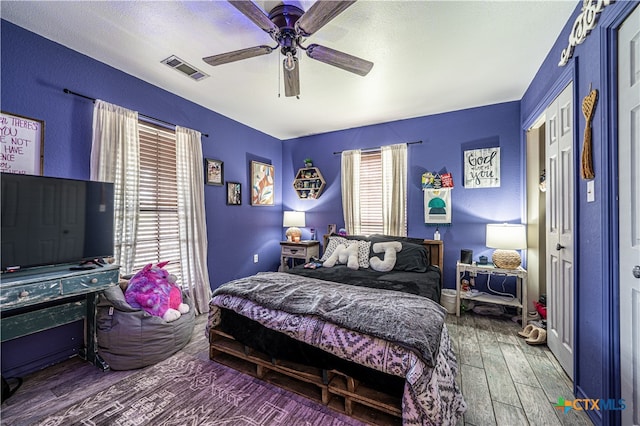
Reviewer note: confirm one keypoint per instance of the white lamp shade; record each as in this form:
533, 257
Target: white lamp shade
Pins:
293, 219
506, 236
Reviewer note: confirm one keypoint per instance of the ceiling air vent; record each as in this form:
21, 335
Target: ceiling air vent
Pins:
186, 69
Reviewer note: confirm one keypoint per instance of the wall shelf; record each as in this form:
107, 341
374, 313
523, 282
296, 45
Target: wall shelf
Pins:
309, 183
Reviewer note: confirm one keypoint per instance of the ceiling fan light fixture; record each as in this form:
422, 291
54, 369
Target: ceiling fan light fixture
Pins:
289, 62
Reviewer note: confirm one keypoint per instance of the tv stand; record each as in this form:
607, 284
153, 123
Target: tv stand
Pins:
44, 298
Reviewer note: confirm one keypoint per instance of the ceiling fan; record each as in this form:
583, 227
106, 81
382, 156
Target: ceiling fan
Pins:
288, 25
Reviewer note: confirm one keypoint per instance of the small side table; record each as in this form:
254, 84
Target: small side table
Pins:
300, 250
520, 300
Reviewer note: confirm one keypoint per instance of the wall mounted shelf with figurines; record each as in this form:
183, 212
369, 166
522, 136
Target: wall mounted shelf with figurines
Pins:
309, 183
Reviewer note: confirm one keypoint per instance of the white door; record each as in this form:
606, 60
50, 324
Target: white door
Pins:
629, 192
560, 228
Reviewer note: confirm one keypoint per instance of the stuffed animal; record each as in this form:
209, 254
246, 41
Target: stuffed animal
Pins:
343, 254
389, 249
154, 290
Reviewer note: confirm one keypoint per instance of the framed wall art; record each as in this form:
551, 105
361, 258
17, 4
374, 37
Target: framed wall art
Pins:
482, 168
22, 140
214, 172
262, 184
234, 194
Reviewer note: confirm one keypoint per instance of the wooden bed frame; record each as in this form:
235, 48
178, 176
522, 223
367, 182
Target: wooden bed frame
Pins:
332, 388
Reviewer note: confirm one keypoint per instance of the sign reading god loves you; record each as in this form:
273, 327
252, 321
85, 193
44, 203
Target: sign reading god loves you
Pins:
482, 168
21, 142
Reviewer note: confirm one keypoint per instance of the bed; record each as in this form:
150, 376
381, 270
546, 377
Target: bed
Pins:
367, 341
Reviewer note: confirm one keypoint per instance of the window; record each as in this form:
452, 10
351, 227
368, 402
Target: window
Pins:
372, 193
158, 238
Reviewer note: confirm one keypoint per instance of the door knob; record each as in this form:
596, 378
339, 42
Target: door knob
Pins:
559, 247
636, 271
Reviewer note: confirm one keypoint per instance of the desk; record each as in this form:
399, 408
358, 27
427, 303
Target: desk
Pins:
43, 298
301, 250
521, 287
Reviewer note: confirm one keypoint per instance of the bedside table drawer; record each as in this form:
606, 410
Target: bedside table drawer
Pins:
289, 251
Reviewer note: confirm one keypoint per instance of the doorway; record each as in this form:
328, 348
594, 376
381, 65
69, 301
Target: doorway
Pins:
550, 221
629, 213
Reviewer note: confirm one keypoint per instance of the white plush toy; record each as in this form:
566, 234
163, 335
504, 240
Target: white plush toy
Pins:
390, 249
343, 254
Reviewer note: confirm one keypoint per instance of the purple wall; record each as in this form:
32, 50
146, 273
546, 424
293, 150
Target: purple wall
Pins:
34, 72
597, 369
444, 139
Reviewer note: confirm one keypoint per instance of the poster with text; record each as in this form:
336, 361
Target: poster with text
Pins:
21, 144
482, 168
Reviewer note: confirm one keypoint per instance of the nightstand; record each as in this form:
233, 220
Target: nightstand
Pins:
301, 250
520, 301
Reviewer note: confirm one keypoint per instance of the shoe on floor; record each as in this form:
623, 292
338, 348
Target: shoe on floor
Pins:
527, 331
537, 337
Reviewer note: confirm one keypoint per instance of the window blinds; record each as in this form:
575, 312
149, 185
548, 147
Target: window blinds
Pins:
158, 237
371, 193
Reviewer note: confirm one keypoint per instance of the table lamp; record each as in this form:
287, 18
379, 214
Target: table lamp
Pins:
506, 238
293, 220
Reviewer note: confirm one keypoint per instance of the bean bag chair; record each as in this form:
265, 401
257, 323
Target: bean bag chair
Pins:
130, 338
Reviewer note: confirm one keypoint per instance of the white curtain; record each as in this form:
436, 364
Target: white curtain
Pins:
115, 152
350, 178
394, 189
191, 213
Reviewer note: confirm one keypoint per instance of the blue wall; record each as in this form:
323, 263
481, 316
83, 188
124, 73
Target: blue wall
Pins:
34, 72
444, 139
597, 369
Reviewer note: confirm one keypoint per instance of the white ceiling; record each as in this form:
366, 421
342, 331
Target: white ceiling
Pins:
430, 56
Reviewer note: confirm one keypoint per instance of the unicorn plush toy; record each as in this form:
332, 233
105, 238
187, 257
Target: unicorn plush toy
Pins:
154, 290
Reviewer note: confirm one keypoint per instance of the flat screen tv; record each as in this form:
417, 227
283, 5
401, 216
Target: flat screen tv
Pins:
53, 221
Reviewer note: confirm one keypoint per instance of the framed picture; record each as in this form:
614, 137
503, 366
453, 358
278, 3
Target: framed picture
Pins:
214, 172
262, 184
234, 194
482, 168
22, 141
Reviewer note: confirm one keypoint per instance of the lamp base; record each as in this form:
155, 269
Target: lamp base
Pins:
293, 234
506, 259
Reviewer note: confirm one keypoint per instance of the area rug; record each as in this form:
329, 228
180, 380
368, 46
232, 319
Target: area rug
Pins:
184, 390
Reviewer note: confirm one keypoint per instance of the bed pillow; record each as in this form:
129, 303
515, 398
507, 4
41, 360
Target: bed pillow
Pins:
414, 256
343, 255
364, 247
334, 242
389, 249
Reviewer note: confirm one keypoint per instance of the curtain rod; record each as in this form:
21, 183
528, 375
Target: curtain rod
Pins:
206, 135
376, 148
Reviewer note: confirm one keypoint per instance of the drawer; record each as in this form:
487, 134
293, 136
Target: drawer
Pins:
29, 294
94, 281
291, 251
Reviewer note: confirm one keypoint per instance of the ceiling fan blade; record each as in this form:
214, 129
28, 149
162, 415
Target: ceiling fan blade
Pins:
319, 14
253, 12
292, 80
339, 59
237, 55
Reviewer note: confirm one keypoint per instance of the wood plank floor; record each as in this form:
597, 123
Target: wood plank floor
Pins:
504, 380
